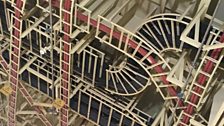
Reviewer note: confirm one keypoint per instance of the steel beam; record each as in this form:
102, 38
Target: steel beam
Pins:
48, 80
27, 65
28, 30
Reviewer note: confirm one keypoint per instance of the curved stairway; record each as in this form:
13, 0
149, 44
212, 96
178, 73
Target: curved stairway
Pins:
163, 32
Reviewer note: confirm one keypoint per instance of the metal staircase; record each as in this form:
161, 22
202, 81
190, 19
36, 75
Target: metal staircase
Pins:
200, 84
29, 99
4, 64
163, 32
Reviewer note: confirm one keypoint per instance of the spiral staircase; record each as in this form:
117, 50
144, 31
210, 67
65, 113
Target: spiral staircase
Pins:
163, 32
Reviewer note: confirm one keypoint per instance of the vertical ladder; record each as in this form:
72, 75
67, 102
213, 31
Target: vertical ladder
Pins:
200, 84
15, 47
65, 58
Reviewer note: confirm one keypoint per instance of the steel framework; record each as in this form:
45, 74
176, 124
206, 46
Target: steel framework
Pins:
93, 62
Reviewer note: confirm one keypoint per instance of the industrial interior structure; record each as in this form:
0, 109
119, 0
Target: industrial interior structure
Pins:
111, 63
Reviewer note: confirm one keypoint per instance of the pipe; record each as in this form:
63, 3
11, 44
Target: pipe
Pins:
52, 50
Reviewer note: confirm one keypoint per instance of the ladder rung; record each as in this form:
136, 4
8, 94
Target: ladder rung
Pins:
198, 85
13, 101
11, 114
17, 19
14, 37
13, 54
16, 29
12, 84
11, 109
11, 118
14, 62
65, 33
4, 63
16, 65
13, 92
211, 59
68, 12
65, 76
66, 42
12, 70
204, 73
14, 46
66, 63
64, 80
183, 123
63, 58
64, 89
64, 121
66, 72
11, 106
195, 93
29, 100
188, 115
66, 23
24, 92
18, 9
15, 80
64, 96
191, 103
